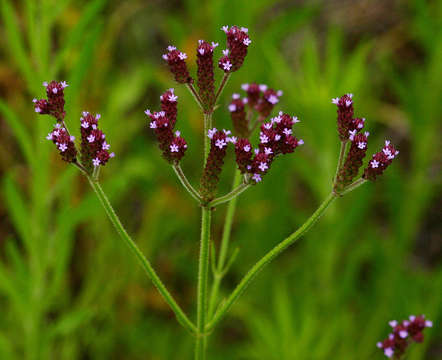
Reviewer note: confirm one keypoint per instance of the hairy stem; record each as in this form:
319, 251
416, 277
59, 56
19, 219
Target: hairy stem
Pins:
186, 183
224, 247
266, 259
113, 217
203, 272
231, 195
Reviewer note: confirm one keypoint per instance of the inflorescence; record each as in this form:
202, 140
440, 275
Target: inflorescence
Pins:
94, 150
403, 334
276, 135
350, 130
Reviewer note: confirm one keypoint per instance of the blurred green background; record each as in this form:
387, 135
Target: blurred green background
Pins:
70, 289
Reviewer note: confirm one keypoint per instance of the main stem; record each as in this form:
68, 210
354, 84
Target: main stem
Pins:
203, 272
266, 259
224, 247
113, 217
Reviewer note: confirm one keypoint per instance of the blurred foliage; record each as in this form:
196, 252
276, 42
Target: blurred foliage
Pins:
69, 289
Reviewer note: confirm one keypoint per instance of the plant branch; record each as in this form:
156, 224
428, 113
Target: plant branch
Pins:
353, 186
224, 247
203, 272
266, 259
113, 217
231, 195
342, 152
179, 172
195, 95
226, 78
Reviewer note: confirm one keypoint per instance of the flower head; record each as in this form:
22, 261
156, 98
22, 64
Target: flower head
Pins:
345, 115
404, 333
169, 102
54, 104
380, 161
218, 146
177, 65
64, 142
94, 147
238, 115
237, 43
275, 139
353, 161
206, 79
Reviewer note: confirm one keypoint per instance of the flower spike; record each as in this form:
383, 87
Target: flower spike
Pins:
177, 65
404, 333
237, 43
54, 105
380, 161
219, 141
206, 78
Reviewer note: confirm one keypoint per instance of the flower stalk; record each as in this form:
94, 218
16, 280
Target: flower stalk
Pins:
179, 172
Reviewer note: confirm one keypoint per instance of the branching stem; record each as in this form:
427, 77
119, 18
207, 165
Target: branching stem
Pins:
265, 260
186, 183
113, 217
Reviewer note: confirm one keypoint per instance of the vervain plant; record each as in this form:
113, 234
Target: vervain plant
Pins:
248, 113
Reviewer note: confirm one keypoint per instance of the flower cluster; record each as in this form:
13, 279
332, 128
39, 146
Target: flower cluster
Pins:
260, 98
94, 148
163, 122
349, 130
380, 161
276, 137
177, 65
169, 105
403, 334
206, 78
345, 111
64, 142
238, 115
354, 159
54, 104
237, 43
215, 160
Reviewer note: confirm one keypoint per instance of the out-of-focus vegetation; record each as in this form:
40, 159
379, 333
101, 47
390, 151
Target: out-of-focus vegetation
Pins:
69, 288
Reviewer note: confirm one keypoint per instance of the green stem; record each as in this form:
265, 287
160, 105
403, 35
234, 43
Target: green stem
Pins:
224, 247
353, 186
266, 259
231, 195
181, 316
186, 183
203, 272
340, 160
226, 78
